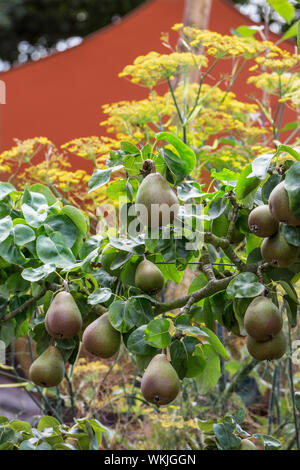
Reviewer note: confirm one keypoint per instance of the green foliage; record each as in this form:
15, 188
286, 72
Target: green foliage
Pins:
50, 434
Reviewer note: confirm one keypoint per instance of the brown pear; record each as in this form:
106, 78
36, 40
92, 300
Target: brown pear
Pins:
100, 338
261, 222
278, 252
48, 369
160, 383
148, 277
267, 350
279, 205
262, 319
63, 318
158, 200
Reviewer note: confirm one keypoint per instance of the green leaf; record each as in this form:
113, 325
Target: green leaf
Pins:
291, 309
269, 185
77, 217
23, 234
120, 188
244, 31
284, 8
269, 442
129, 147
186, 153
6, 226
21, 426
101, 177
294, 124
10, 252
217, 207
196, 363
48, 422
64, 225
208, 379
189, 190
183, 323
132, 245
215, 343
40, 188
288, 149
137, 344
292, 186
100, 296
141, 309
197, 283
121, 317
246, 185
260, 166
245, 285
157, 333
179, 358
34, 207
289, 289
37, 274
5, 190
7, 332
53, 250
226, 440
291, 32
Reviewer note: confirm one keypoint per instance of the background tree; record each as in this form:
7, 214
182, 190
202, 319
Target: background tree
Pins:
30, 30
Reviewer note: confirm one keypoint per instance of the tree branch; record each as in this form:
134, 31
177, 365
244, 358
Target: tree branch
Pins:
24, 306
212, 287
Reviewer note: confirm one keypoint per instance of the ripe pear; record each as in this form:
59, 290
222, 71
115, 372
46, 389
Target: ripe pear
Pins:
100, 338
278, 252
159, 200
262, 319
267, 350
48, 369
63, 318
246, 444
107, 257
279, 205
261, 222
148, 277
160, 383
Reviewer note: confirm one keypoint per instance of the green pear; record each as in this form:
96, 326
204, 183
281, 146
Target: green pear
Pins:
246, 444
261, 222
159, 201
278, 252
48, 369
63, 318
100, 338
267, 350
107, 257
262, 319
279, 205
160, 383
148, 277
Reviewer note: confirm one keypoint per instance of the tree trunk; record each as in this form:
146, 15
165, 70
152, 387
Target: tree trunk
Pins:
197, 13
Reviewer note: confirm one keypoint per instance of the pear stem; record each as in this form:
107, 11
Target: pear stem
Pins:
148, 167
66, 286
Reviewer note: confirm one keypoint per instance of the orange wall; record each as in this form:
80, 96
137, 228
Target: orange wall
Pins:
61, 96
